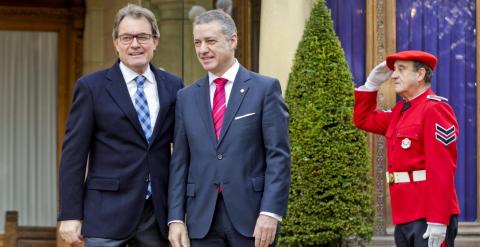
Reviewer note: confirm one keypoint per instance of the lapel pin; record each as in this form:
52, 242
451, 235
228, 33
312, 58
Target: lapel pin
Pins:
242, 90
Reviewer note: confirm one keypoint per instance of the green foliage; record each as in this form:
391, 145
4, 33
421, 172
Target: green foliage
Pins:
331, 193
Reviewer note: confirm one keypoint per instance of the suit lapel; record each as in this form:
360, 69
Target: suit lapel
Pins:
119, 92
239, 90
202, 98
163, 94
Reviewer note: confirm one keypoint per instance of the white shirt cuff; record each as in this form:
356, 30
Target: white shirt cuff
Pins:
275, 216
364, 88
175, 221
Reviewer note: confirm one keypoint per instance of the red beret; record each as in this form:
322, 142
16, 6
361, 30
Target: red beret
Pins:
420, 56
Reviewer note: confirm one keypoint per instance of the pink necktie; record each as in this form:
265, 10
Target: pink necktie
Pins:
218, 109
219, 106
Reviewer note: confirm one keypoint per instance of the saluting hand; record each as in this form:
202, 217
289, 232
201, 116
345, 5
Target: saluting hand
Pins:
378, 75
265, 231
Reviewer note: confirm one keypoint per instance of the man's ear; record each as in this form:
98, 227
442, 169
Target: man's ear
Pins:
421, 74
155, 42
115, 44
234, 41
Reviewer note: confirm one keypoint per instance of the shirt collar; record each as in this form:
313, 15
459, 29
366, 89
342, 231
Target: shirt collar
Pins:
230, 74
129, 75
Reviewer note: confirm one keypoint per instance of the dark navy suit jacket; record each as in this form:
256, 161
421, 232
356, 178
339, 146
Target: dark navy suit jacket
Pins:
251, 160
103, 127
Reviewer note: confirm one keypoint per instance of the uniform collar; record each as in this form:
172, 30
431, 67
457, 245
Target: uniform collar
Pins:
421, 97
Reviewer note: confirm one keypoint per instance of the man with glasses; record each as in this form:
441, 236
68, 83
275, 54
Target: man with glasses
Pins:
116, 152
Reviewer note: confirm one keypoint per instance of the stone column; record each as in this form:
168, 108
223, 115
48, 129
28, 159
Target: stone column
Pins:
98, 52
175, 52
93, 57
281, 28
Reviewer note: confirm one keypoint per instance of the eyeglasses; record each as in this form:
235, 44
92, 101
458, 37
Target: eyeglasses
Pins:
142, 38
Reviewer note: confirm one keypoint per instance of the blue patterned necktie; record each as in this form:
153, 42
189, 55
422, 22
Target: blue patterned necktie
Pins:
141, 105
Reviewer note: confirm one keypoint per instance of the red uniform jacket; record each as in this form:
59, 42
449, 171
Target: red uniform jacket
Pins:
422, 137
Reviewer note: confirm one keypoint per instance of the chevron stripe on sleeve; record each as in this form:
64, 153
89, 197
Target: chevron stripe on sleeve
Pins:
445, 135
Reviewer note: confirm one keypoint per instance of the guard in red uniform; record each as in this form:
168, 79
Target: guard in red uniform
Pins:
421, 133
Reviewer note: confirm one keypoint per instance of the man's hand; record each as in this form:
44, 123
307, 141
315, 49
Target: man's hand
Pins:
70, 231
378, 75
177, 235
265, 231
435, 233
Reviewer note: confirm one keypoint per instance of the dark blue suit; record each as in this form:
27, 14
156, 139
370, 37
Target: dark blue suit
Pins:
251, 160
103, 127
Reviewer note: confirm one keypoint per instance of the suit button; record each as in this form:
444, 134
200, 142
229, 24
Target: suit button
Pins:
219, 156
147, 179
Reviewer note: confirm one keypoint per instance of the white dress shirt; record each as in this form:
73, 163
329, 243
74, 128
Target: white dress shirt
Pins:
149, 88
230, 75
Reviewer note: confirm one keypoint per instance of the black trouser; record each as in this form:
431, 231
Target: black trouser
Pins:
411, 234
147, 233
222, 233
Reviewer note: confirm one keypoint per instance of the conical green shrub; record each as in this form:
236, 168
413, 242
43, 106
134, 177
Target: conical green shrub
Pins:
331, 196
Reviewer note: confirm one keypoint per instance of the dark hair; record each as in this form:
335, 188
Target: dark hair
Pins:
136, 12
225, 20
428, 71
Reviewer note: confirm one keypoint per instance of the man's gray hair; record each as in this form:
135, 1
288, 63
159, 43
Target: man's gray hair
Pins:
428, 71
136, 12
225, 20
